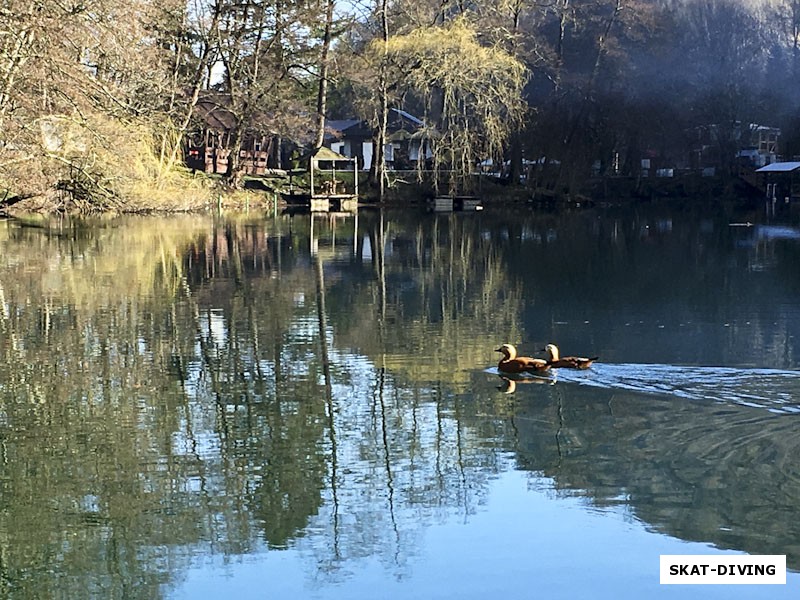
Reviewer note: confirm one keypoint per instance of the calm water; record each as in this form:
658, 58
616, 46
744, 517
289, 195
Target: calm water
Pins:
284, 406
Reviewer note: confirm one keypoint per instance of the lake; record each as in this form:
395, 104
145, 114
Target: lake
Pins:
272, 406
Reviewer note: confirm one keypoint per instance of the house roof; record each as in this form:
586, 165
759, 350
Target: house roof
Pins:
398, 121
213, 112
408, 116
341, 125
323, 153
757, 127
780, 167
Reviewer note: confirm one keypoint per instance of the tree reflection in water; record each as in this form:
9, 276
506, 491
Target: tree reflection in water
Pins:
185, 386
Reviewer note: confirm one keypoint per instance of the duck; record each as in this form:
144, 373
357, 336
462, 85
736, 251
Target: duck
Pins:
569, 362
511, 363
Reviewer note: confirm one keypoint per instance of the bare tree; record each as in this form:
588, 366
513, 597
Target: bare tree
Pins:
324, 66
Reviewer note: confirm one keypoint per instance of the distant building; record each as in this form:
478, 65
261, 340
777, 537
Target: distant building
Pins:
781, 180
716, 145
762, 148
407, 140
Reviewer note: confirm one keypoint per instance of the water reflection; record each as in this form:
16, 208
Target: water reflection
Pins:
183, 387
709, 472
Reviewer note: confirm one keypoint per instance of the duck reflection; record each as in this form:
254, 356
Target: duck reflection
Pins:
509, 385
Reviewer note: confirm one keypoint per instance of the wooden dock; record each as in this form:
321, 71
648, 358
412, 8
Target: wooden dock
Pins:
322, 202
456, 203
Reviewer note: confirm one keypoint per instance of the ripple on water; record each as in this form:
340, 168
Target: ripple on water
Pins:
772, 389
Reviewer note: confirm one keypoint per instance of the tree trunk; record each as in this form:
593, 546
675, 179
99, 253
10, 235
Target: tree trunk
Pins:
795, 10
197, 84
322, 93
234, 175
379, 155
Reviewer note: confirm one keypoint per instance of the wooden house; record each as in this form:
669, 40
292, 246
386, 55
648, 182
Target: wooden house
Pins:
207, 147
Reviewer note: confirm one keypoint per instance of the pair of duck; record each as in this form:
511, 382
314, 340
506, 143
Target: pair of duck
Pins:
511, 363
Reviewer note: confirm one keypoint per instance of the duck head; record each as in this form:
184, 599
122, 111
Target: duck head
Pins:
508, 351
552, 350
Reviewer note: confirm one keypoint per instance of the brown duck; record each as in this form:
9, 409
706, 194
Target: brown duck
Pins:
569, 362
511, 363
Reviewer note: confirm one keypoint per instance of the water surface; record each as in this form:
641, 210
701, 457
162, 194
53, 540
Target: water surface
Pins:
195, 407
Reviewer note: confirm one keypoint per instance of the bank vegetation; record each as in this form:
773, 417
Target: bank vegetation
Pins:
97, 96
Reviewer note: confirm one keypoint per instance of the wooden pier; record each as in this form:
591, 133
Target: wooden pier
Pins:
326, 192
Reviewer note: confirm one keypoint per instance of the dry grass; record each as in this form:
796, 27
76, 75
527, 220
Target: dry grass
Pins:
98, 164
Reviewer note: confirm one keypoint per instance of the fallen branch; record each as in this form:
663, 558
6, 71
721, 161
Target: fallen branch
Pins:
12, 200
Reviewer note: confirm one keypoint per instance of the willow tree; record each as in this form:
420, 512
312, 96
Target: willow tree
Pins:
472, 94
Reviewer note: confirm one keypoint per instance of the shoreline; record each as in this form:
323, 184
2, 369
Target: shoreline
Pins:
264, 193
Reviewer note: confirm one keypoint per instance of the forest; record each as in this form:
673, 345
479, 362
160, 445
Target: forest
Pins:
97, 97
